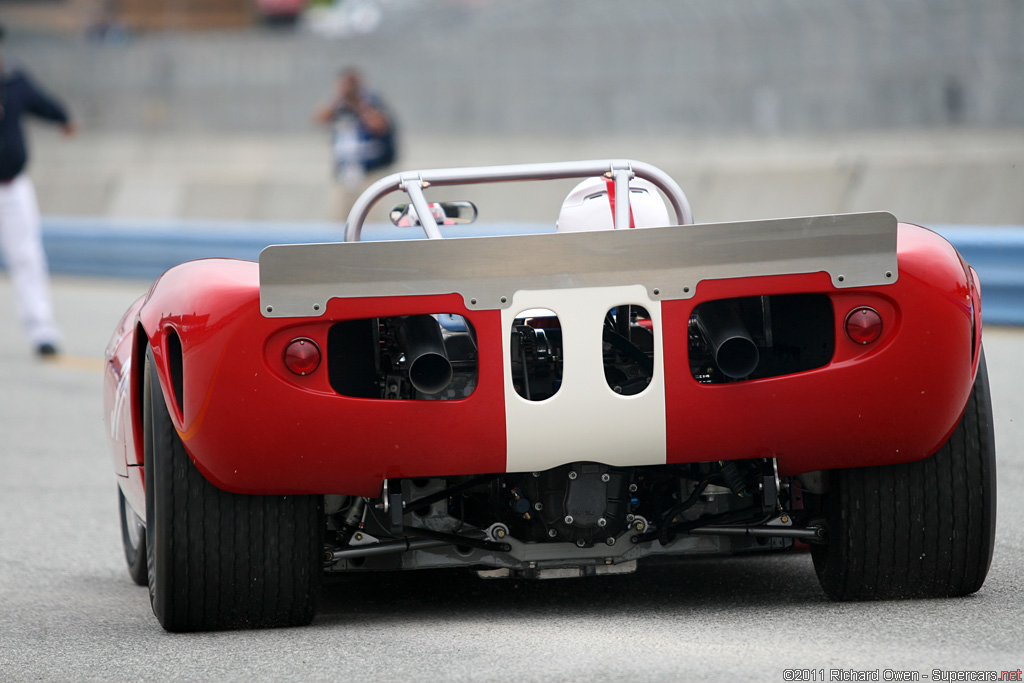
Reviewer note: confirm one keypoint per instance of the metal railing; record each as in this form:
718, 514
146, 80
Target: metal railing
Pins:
144, 249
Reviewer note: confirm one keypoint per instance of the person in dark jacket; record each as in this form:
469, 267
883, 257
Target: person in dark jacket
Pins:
20, 238
363, 143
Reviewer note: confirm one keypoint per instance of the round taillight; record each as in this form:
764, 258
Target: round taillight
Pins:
302, 356
864, 325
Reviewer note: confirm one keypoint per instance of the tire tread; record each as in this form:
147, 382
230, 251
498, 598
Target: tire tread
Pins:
917, 529
222, 560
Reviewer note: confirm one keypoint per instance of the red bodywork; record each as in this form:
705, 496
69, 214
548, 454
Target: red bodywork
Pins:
251, 426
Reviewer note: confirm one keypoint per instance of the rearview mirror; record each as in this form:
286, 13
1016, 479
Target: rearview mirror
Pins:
444, 213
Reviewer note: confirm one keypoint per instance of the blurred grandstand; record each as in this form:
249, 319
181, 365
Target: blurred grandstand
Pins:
196, 109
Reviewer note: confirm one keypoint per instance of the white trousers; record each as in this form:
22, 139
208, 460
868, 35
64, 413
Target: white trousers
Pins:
22, 246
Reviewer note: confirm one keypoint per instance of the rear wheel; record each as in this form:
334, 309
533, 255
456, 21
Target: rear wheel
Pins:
216, 559
917, 529
133, 538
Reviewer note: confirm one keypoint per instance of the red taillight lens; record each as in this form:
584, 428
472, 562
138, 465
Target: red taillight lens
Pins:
302, 356
864, 325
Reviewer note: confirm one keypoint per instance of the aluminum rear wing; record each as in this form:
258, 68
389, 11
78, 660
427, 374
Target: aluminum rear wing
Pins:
856, 250
414, 182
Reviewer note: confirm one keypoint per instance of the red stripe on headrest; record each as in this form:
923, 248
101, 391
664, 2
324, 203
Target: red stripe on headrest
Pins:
610, 185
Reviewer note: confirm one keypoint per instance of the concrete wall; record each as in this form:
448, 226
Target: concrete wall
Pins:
948, 176
759, 108
591, 67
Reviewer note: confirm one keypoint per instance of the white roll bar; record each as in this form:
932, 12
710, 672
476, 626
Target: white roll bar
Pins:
414, 182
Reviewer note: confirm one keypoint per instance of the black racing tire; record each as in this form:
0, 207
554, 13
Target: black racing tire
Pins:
133, 538
220, 560
921, 529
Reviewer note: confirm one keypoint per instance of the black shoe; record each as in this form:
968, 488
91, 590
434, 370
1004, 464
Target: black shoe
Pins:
46, 350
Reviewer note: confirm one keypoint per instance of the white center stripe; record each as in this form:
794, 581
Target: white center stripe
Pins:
585, 420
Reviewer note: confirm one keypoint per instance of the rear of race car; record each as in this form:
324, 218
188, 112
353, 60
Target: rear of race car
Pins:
472, 402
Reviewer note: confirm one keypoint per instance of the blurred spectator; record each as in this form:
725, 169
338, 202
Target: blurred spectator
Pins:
280, 12
20, 238
363, 140
102, 24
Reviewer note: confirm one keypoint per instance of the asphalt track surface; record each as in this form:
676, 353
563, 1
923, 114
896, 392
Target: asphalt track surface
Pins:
69, 612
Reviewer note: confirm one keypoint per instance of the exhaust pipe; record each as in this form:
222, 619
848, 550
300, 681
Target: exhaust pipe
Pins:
734, 350
430, 371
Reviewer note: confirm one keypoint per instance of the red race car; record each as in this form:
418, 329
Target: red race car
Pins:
550, 405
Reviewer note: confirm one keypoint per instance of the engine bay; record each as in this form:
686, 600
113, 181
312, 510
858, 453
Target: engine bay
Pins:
434, 357
583, 517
